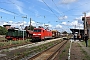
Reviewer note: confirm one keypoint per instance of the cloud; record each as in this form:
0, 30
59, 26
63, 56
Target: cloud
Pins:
33, 23
58, 26
67, 1
50, 25
47, 25
20, 10
88, 14
36, 24
15, 24
7, 12
11, 22
63, 17
34, 11
19, 6
76, 25
64, 23
79, 19
79, 23
37, 14
5, 23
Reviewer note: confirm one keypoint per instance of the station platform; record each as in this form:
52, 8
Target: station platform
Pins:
78, 51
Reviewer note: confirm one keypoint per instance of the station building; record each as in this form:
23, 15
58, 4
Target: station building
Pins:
87, 24
7, 26
81, 31
78, 32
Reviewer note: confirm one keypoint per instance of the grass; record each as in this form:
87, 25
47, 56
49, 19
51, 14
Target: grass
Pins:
2, 37
2, 44
64, 52
85, 44
84, 52
39, 48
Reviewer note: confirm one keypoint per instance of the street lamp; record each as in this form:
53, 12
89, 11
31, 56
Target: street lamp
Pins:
23, 25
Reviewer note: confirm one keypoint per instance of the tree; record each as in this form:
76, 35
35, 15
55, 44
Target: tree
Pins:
3, 30
28, 27
64, 32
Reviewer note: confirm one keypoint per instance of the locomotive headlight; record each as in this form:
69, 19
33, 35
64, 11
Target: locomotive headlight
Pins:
39, 34
34, 34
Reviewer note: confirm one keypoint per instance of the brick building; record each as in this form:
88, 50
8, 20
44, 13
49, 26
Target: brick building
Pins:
7, 26
87, 24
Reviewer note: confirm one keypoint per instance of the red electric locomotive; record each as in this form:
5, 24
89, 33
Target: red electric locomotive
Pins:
41, 34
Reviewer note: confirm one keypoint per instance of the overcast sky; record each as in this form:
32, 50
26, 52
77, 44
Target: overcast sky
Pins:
58, 14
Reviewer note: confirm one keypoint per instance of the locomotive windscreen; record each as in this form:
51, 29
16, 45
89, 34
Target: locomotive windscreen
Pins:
37, 30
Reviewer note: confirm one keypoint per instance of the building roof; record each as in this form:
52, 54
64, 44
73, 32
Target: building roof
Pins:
6, 25
77, 30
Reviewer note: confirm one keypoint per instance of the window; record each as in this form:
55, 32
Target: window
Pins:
37, 30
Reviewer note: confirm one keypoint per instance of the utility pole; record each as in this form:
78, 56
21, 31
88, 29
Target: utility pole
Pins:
23, 25
85, 27
30, 23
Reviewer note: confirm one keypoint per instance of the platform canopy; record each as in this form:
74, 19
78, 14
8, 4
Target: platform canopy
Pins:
81, 31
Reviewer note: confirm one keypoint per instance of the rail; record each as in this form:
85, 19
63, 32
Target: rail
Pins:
47, 52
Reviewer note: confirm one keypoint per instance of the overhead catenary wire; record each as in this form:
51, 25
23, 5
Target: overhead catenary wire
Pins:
43, 1
30, 2
6, 9
59, 10
9, 11
62, 12
75, 7
56, 6
20, 6
70, 9
49, 8
36, 5
13, 13
47, 5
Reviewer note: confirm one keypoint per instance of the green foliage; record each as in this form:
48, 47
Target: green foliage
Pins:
3, 30
64, 32
29, 28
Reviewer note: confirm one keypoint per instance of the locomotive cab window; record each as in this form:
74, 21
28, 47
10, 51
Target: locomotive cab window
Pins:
37, 30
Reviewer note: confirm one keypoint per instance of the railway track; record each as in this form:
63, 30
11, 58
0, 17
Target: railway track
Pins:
37, 50
31, 50
12, 43
49, 54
